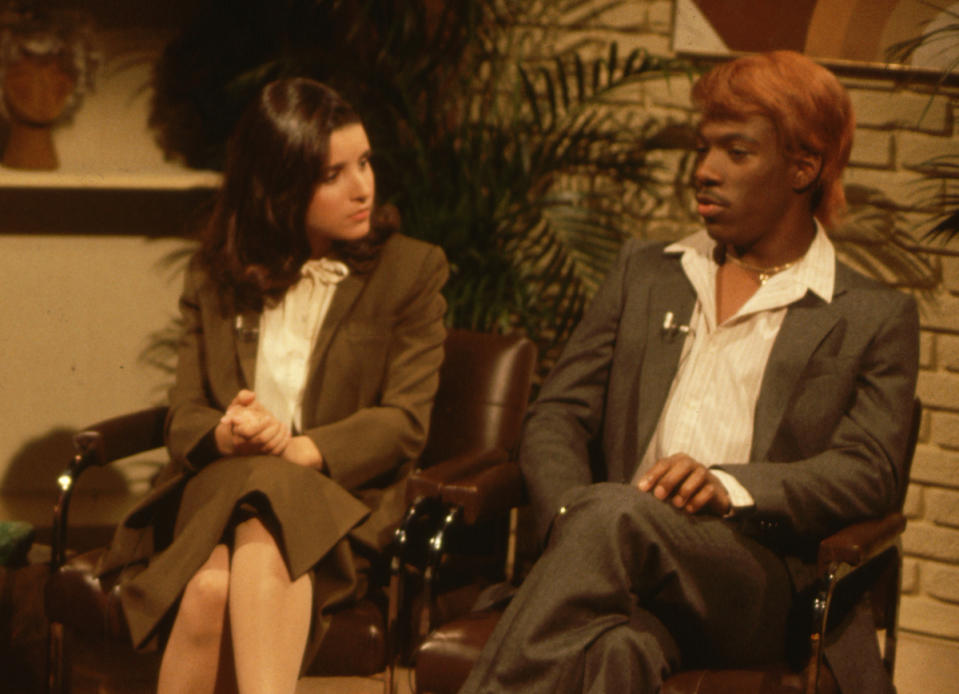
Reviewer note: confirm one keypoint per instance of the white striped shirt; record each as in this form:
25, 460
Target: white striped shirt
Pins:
710, 410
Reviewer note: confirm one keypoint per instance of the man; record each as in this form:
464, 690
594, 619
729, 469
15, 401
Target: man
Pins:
744, 343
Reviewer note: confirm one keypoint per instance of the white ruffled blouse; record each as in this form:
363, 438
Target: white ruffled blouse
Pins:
288, 331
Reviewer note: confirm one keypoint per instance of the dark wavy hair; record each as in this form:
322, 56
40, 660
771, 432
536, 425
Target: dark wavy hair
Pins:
255, 242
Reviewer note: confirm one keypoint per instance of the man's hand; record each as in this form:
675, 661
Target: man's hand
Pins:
686, 484
248, 428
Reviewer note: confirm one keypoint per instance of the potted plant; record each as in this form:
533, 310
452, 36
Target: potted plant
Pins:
940, 190
511, 162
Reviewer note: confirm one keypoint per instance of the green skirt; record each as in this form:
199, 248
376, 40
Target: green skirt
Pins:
309, 515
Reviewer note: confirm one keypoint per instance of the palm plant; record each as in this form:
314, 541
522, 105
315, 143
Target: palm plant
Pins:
872, 239
939, 192
532, 196
514, 164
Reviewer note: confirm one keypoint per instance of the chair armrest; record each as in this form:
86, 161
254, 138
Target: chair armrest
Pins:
98, 445
856, 544
428, 482
486, 493
840, 556
123, 436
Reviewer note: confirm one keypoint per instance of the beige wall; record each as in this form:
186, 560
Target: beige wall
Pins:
77, 313
80, 309
83, 279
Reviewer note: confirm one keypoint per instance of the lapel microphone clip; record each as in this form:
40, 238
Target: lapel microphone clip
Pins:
671, 328
244, 332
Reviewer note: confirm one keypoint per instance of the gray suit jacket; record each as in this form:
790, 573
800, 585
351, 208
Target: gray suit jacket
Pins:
832, 417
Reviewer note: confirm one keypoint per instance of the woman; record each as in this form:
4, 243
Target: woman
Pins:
313, 338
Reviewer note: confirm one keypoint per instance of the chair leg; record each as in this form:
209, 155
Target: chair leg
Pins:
815, 662
509, 566
892, 619
889, 651
402, 539
437, 549
820, 617
395, 597
58, 679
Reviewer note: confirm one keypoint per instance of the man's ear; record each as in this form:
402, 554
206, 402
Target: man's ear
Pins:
806, 169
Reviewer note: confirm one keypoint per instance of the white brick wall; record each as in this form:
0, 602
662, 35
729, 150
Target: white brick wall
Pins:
900, 125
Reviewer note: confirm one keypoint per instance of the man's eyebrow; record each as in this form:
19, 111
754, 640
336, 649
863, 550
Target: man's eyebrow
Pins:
727, 138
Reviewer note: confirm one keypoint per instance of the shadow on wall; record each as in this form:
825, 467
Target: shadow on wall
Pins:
38, 463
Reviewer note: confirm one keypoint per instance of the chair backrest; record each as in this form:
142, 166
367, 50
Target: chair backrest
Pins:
910, 450
884, 594
483, 392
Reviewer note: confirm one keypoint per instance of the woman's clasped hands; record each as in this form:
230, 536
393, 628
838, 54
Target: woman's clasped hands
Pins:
248, 428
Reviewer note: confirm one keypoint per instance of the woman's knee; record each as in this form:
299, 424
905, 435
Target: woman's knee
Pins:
203, 606
253, 530
256, 549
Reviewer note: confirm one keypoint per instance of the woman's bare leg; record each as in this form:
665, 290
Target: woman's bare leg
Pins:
226, 675
193, 653
269, 613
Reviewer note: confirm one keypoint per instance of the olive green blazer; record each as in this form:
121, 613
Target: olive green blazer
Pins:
373, 374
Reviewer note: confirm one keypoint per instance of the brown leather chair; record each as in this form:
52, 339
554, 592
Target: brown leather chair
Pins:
869, 550
477, 416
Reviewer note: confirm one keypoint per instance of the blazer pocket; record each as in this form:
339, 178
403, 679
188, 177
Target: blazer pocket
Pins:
363, 332
834, 366
818, 406
360, 354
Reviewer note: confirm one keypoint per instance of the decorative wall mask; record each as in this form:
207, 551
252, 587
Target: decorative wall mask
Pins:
47, 64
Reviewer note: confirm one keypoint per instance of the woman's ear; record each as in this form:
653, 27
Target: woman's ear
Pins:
806, 169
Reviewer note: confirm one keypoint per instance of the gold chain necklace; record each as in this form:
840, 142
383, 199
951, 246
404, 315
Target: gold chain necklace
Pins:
764, 273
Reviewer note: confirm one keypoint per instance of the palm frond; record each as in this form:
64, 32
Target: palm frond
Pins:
946, 229
940, 174
162, 347
939, 196
945, 35
872, 238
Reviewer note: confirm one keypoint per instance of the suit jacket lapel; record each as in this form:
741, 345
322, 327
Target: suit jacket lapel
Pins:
806, 324
673, 293
346, 294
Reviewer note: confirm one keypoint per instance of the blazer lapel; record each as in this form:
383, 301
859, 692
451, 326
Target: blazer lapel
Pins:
672, 294
346, 294
806, 324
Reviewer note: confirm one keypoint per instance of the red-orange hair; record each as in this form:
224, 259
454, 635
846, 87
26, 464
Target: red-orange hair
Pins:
805, 102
